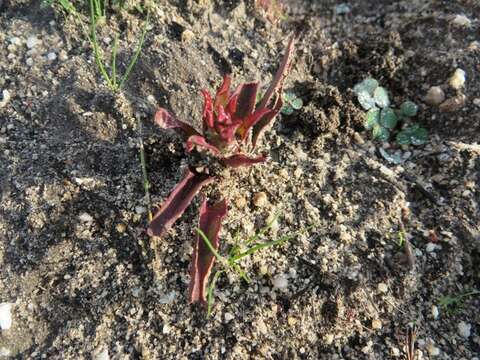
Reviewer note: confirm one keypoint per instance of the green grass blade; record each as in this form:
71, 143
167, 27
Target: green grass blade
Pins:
210, 246
137, 53
210, 290
114, 61
262, 231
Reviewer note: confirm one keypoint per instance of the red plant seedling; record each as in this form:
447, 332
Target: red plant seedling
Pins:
232, 121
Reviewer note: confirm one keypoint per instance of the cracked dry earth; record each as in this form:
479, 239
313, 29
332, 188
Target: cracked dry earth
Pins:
81, 280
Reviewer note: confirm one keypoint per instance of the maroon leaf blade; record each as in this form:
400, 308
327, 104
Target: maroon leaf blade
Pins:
277, 81
251, 121
239, 160
208, 116
201, 143
166, 120
176, 203
246, 101
264, 122
211, 217
223, 93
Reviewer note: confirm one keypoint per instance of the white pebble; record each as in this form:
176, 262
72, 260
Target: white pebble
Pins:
15, 41
464, 329
29, 61
166, 329
382, 287
435, 312
457, 80
5, 98
228, 317
4, 352
280, 282
376, 324
168, 298
5, 316
32, 41
476, 102
85, 217
435, 96
261, 326
51, 56
431, 247
432, 349
101, 355
140, 209
462, 21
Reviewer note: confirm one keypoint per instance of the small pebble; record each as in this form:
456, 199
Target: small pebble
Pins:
262, 327
228, 317
457, 81
328, 339
4, 352
476, 102
382, 287
461, 21
15, 41
85, 217
101, 354
260, 199
51, 56
464, 329
376, 324
280, 282
187, 36
121, 227
5, 98
29, 61
432, 349
453, 104
291, 321
431, 247
5, 316
435, 96
140, 209
358, 138
166, 329
435, 312
32, 41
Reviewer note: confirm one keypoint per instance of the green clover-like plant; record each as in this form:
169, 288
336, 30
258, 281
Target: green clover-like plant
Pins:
291, 102
382, 119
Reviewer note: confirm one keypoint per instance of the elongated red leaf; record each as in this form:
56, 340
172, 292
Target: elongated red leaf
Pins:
277, 81
208, 119
239, 160
166, 120
264, 122
246, 101
223, 93
176, 203
202, 259
251, 121
201, 143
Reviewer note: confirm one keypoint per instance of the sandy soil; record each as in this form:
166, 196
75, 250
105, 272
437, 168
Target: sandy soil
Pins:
85, 280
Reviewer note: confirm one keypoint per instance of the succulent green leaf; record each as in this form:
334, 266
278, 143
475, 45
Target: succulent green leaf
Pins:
366, 100
289, 96
369, 85
287, 110
371, 118
297, 103
403, 138
388, 118
419, 136
408, 108
391, 158
413, 134
381, 133
381, 97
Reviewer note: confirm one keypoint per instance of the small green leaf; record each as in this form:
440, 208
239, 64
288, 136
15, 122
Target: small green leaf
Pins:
289, 96
413, 134
419, 136
371, 118
369, 85
408, 108
381, 97
381, 133
287, 110
297, 103
365, 100
388, 118
391, 158
403, 138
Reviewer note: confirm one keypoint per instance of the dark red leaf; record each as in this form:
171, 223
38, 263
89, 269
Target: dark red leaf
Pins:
223, 93
251, 121
202, 259
239, 160
264, 122
246, 101
277, 81
167, 120
176, 203
200, 142
208, 121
